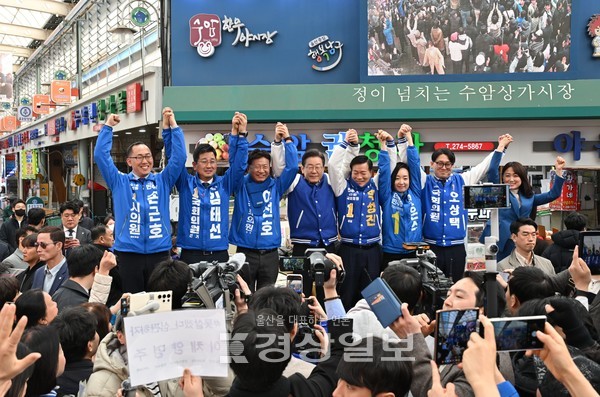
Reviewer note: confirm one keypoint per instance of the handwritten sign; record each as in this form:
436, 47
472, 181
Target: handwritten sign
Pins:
161, 345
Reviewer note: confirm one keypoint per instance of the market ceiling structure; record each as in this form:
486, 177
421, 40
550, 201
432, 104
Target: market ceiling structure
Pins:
26, 24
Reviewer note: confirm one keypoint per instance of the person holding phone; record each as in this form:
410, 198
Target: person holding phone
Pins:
523, 201
399, 197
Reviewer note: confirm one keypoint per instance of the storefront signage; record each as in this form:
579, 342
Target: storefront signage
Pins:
134, 98
569, 197
29, 164
34, 202
564, 143
25, 113
40, 104
60, 91
326, 53
465, 146
205, 33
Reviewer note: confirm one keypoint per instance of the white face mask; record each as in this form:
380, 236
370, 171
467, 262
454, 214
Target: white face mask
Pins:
111, 227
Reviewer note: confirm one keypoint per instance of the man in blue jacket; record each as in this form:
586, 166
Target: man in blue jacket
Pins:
203, 227
141, 202
255, 226
358, 217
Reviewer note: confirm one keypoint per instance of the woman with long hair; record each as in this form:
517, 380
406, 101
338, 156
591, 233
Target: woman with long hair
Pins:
522, 199
44, 340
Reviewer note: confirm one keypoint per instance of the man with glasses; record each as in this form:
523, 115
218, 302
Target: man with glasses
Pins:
141, 201
444, 215
203, 227
256, 228
523, 233
50, 244
74, 234
311, 209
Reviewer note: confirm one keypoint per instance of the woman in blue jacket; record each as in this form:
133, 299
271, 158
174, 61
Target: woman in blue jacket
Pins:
522, 199
399, 197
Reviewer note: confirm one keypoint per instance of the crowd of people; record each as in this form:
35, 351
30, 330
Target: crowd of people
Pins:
61, 287
468, 36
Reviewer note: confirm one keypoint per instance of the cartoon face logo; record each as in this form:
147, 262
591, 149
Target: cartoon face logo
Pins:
327, 53
205, 33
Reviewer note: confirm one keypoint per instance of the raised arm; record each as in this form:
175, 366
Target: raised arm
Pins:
291, 159
385, 174
339, 163
405, 140
277, 154
557, 187
102, 151
476, 174
177, 161
238, 152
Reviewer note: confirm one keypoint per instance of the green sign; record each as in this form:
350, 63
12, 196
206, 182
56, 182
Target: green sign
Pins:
34, 202
411, 101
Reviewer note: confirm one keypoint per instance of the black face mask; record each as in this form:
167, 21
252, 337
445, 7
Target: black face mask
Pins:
20, 212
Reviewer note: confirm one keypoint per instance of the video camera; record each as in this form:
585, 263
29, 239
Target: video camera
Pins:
315, 263
213, 283
435, 282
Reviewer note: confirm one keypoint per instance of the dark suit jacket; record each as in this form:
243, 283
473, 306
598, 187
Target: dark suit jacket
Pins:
61, 277
70, 294
83, 235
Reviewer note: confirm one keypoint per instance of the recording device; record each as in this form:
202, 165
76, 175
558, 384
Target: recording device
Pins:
291, 263
452, 332
435, 282
294, 281
321, 266
589, 250
486, 196
306, 342
315, 263
517, 333
146, 302
214, 282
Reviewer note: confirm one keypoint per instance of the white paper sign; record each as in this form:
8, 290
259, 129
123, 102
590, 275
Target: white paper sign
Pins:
161, 345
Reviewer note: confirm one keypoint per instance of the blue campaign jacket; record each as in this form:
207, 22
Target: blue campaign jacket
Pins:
312, 212
255, 223
506, 216
204, 212
141, 208
402, 215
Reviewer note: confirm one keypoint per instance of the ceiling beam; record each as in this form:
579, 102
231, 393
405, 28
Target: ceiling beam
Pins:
24, 31
48, 6
17, 51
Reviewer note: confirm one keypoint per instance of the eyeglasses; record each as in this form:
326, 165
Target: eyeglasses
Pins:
206, 162
147, 157
441, 164
314, 167
42, 244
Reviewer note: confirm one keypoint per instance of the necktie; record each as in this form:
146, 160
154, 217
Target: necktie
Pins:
70, 231
205, 184
48, 274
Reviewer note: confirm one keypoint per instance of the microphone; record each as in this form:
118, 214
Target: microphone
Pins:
238, 259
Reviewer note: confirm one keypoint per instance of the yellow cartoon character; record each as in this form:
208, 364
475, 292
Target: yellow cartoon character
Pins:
594, 32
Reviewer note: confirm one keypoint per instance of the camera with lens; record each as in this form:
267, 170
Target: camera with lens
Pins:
213, 284
319, 266
435, 283
491, 248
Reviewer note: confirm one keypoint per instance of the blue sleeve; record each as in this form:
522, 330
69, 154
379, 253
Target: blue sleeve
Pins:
385, 177
176, 163
506, 389
168, 140
414, 167
552, 195
493, 176
103, 158
238, 162
284, 181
